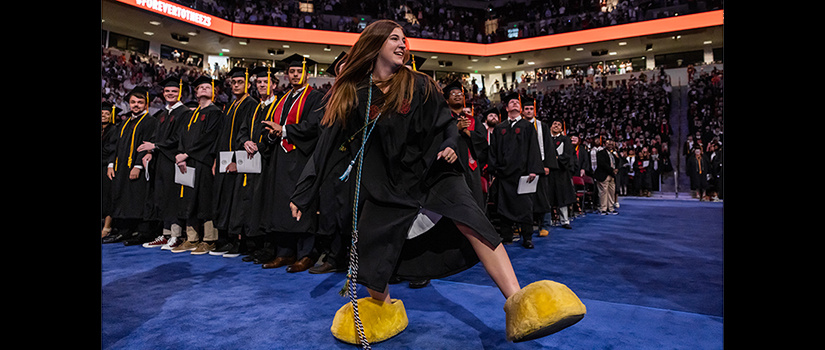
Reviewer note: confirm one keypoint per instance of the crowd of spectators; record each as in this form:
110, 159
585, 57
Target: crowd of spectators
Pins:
441, 19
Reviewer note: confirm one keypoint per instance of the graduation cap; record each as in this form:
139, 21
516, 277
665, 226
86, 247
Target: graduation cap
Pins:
240, 72
108, 106
296, 60
173, 81
263, 71
455, 85
492, 110
139, 92
415, 61
205, 79
333, 67
512, 96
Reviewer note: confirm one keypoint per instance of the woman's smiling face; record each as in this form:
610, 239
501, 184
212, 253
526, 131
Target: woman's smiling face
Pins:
394, 48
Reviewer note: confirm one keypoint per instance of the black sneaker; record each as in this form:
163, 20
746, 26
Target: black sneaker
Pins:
234, 251
221, 249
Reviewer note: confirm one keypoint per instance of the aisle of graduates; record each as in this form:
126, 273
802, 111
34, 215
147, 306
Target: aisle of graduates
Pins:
209, 179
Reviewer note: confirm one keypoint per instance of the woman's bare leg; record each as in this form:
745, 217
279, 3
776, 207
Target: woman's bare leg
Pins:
495, 260
382, 296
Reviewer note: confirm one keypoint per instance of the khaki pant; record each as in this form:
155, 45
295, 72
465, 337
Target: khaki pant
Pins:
607, 194
209, 234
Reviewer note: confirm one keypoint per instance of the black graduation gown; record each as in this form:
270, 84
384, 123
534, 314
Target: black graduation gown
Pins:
562, 191
239, 110
475, 146
400, 177
197, 140
248, 185
283, 168
107, 148
541, 198
130, 197
162, 166
514, 152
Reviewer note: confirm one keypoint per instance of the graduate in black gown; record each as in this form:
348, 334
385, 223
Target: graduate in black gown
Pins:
541, 198
130, 187
196, 152
563, 193
414, 214
161, 159
291, 138
335, 205
108, 141
514, 152
244, 229
241, 108
472, 140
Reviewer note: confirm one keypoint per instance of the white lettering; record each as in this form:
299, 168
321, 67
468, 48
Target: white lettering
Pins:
175, 11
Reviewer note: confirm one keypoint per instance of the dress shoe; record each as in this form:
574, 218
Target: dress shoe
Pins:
278, 262
419, 284
301, 265
527, 244
324, 268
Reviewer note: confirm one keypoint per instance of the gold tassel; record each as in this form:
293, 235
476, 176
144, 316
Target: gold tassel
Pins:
413, 61
113, 114
303, 70
245, 80
268, 80
180, 88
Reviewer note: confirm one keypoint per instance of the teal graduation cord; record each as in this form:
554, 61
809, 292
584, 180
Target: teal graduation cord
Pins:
352, 274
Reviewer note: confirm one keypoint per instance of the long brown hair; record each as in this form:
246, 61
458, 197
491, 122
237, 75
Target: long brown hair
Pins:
342, 98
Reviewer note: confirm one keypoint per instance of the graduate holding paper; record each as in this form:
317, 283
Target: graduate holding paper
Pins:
514, 152
241, 108
244, 227
194, 162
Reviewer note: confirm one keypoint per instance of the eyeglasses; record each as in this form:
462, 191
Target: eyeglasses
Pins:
456, 94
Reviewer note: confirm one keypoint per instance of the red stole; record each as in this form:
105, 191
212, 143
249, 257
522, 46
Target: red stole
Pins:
294, 114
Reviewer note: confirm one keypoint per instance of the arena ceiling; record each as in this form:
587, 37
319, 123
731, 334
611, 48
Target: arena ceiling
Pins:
561, 49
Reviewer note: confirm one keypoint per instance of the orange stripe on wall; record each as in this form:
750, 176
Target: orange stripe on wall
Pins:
313, 36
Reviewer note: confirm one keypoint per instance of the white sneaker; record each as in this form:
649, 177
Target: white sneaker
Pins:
171, 243
158, 242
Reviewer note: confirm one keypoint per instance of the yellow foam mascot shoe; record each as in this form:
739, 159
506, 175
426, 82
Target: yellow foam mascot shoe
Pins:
540, 309
381, 320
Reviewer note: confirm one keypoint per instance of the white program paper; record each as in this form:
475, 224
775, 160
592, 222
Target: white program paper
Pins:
186, 179
246, 165
224, 158
527, 187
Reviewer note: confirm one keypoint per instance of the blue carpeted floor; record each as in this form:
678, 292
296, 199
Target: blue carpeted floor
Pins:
651, 278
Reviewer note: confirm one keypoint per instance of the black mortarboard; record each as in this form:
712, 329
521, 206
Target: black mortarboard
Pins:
140, 92
173, 81
511, 96
296, 60
333, 67
263, 71
108, 106
205, 79
416, 61
491, 110
527, 101
455, 85
267, 72
239, 72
